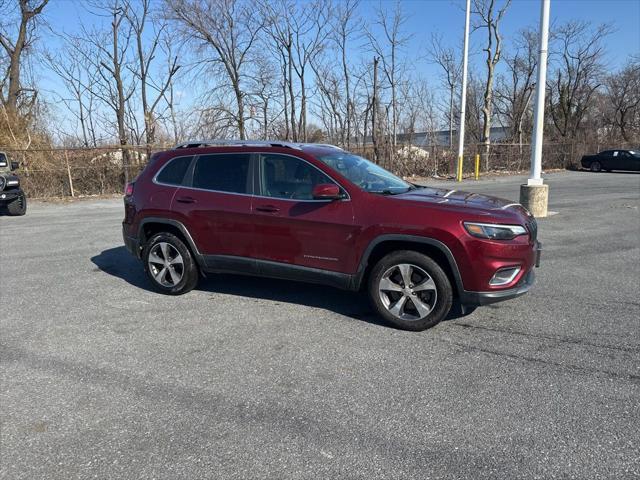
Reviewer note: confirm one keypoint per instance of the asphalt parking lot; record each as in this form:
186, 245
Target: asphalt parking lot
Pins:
254, 378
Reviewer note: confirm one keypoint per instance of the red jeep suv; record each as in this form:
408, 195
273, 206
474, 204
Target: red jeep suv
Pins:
316, 213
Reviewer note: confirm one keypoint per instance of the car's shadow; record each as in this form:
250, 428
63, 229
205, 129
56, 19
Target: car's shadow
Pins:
120, 263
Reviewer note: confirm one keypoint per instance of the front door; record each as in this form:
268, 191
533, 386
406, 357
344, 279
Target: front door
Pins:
294, 228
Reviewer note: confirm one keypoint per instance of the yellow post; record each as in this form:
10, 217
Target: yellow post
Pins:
477, 166
459, 172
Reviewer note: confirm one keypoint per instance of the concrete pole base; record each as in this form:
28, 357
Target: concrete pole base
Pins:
535, 198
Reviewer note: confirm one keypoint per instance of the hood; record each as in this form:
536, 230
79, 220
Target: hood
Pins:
441, 197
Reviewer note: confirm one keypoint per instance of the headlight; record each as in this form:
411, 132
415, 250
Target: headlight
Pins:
494, 231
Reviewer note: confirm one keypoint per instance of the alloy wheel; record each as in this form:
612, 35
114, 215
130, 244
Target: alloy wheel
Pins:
166, 264
408, 292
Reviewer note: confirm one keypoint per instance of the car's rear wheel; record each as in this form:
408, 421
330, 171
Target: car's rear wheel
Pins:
595, 167
169, 264
410, 290
17, 206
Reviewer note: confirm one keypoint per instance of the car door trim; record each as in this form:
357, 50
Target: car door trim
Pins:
279, 270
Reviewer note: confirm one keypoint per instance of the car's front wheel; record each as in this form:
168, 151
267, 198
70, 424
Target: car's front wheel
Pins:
595, 166
410, 290
17, 206
169, 264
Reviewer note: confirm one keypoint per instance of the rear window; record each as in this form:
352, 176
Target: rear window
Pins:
222, 173
173, 172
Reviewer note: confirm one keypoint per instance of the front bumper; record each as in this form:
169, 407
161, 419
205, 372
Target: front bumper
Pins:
524, 285
10, 195
486, 298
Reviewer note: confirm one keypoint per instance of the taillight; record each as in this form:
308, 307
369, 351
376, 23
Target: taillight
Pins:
128, 191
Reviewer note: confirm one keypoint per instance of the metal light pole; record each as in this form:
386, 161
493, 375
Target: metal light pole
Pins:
535, 195
463, 97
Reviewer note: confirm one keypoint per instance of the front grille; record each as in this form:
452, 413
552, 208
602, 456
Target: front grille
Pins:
3, 182
532, 226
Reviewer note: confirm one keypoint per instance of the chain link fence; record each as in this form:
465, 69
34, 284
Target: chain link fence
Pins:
73, 172
76, 172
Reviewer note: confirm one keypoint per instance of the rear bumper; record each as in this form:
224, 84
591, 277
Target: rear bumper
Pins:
131, 243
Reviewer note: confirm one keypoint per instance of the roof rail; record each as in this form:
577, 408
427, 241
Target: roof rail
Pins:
236, 143
328, 145
250, 143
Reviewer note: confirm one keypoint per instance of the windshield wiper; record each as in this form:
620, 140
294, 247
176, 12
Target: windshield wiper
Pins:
383, 192
386, 191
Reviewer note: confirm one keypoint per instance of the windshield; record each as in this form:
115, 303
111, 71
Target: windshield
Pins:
367, 175
4, 162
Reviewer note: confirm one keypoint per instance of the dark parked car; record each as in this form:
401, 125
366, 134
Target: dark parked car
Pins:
612, 160
12, 199
316, 213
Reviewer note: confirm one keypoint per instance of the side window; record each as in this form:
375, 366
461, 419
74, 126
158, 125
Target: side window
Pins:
173, 172
3, 160
223, 173
283, 176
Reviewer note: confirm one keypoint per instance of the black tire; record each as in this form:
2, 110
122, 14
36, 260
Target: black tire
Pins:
18, 206
188, 272
595, 166
439, 302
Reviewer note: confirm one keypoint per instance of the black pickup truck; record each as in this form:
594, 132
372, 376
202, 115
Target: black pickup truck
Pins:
612, 160
12, 198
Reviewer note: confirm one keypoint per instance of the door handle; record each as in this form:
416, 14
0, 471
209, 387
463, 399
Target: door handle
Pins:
267, 209
186, 200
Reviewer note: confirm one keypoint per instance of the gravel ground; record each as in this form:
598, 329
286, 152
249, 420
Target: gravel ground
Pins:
254, 378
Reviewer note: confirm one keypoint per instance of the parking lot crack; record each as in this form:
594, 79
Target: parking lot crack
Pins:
571, 368
554, 338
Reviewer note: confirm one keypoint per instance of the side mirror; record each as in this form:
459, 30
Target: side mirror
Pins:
15, 165
326, 191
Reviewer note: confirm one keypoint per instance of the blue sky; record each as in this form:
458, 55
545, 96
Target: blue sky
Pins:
447, 17
425, 17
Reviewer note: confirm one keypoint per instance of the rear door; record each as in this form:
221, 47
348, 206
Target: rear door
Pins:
215, 204
292, 227
605, 158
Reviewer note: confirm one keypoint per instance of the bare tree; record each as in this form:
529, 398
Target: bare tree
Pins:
106, 53
169, 92
448, 61
230, 29
79, 80
300, 32
14, 48
577, 74
265, 91
281, 36
490, 17
515, 89
138, 19
623, 92
394, 40
375, 109
345, 25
